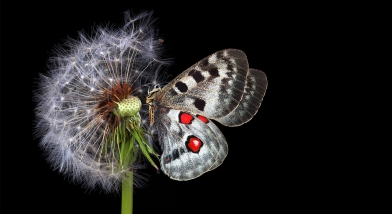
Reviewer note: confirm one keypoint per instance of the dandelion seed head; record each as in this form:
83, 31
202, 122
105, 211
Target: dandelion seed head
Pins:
87, 82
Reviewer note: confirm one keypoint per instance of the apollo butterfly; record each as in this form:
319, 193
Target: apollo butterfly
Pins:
220, 87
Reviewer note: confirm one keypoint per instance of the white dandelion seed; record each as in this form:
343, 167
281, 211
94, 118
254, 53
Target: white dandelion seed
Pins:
77, 99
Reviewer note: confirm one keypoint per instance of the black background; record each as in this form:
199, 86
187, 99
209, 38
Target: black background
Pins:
269, 166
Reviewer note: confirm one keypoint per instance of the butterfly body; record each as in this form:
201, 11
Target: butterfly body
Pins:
219, 87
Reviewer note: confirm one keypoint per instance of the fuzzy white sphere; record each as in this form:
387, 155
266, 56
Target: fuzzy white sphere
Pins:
71, 128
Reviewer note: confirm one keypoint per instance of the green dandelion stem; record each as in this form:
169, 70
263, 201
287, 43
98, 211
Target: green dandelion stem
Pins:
127, 182
127, 194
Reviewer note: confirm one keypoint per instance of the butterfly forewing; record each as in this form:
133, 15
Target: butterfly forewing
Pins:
213, 87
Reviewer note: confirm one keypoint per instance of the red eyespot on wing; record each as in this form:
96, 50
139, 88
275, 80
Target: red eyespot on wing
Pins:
185, 118
194, 144
202, 118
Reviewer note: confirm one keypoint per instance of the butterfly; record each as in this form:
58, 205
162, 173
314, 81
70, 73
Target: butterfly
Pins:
220, 87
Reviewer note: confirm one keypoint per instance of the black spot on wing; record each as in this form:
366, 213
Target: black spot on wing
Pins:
219, 54
225, 81
182, 86
196, 75
175, 154
203, 63
213, 72
200, 104
230, 66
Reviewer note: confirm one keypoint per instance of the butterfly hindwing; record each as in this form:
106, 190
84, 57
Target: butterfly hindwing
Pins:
191, 146
256, 86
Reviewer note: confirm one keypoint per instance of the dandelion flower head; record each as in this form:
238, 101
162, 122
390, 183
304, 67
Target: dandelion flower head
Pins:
80, 99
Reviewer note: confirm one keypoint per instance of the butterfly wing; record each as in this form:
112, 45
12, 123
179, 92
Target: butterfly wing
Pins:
220, 87
255, 88
213, 87
191, 146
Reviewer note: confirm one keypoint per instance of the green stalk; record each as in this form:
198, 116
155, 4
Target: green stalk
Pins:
127, 179
127, 193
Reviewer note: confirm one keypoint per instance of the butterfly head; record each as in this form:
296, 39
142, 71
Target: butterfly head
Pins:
151, 94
